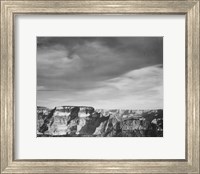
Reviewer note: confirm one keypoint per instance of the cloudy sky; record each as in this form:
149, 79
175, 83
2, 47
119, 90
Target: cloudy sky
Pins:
103, 72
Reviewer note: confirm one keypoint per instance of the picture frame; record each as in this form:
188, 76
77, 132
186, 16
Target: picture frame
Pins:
11, 8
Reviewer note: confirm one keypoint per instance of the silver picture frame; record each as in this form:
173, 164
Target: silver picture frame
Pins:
11, 8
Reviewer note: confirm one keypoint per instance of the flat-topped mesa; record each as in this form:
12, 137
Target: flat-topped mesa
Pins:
86, 109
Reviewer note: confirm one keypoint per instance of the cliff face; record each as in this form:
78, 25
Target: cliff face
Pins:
74, 121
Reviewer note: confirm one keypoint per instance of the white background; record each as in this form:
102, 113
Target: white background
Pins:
171, 146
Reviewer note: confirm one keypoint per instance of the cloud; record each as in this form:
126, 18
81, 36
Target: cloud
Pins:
40, 88
100, 71
61, 60
137, 89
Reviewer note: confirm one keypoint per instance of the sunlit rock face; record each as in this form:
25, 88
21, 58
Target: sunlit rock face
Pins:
83, 121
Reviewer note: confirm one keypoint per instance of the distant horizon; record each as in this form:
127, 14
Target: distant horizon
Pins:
101, 108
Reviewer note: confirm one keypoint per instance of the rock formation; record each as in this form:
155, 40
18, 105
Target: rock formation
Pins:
83, 121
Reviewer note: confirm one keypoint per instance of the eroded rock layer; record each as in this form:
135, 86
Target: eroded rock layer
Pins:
83, 121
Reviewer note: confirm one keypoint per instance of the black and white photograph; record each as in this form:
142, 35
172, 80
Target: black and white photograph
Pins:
99, 86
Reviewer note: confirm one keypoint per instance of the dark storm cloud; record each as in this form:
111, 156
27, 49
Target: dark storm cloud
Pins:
79, 64
150, 46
